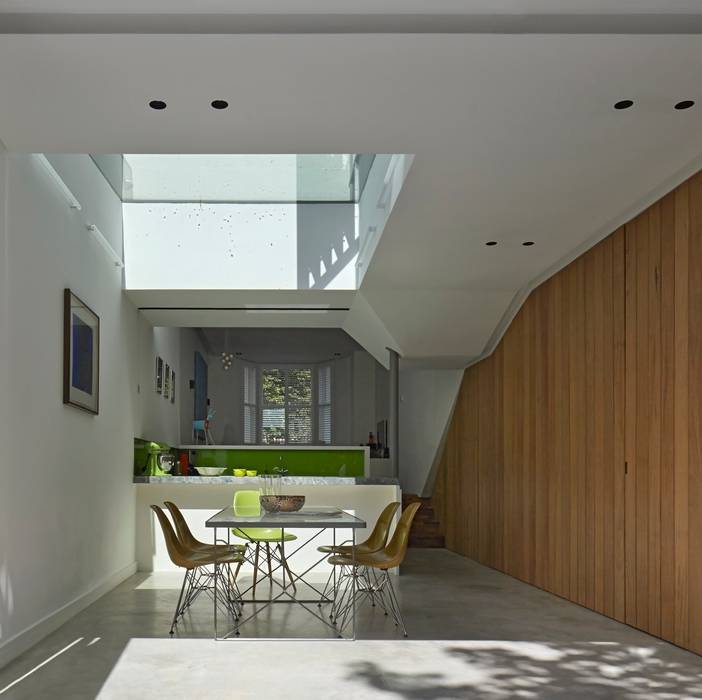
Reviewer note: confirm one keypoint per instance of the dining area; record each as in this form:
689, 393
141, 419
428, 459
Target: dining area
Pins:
274, 568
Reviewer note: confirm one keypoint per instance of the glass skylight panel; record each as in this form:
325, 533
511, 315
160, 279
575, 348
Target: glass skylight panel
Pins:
329, 177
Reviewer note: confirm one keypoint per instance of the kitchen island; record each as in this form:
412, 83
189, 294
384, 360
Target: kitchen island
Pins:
200, 497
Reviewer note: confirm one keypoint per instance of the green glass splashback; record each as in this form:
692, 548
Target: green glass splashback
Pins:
297, 462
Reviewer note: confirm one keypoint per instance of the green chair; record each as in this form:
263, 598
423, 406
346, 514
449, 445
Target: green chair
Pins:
247, 503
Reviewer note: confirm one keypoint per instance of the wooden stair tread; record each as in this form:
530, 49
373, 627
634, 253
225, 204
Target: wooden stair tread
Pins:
426, 529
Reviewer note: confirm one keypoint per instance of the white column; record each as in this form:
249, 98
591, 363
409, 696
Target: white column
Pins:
394, 417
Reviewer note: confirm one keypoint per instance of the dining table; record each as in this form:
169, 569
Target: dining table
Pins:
296, 588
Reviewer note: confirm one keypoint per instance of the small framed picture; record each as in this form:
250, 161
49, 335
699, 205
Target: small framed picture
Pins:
173, 385
159, 375
166, 382
81, 354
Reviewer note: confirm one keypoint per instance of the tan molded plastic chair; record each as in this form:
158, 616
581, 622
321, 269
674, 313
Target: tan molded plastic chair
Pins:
187, 538
196, 578
379, 587
377, 539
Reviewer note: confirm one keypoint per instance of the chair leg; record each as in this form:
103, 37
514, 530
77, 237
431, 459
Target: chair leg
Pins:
347, 600
268, 557
186, 579
253, 590
238, 567
394, 603
326, 588
284, 562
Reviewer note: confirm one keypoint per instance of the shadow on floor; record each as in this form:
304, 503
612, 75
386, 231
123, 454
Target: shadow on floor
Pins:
496, 670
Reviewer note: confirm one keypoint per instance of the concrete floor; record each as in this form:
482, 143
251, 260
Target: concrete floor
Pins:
474, 633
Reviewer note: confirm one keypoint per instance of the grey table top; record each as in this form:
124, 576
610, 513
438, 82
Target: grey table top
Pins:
307, 517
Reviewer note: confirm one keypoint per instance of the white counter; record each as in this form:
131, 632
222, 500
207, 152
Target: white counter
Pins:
202, 497
276, 448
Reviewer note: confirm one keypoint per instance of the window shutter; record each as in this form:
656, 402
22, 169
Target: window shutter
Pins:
324, 418
250, 405
273, 407
299, 405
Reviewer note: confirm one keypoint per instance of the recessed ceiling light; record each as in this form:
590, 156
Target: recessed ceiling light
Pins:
219, 104
157, 104
685, 104
528, 243
623, 104
491, 243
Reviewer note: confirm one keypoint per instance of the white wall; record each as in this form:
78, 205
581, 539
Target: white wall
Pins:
371, 398
67, 493
189, 344
363, 397
426, 402
225, 393
6, 586
160, 417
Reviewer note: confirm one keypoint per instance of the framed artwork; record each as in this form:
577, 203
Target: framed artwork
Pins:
166, 382
81, 354
173, 386
159, 375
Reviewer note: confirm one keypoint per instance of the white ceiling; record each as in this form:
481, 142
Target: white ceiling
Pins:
515, 139
303, 16
356, 6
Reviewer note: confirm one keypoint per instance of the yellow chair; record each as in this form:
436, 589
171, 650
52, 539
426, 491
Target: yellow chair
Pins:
197, 577
247, 503
376, 566
189, 541
376, 541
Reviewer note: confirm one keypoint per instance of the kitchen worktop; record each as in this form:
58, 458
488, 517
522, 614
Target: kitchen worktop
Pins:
257, 481
275, 448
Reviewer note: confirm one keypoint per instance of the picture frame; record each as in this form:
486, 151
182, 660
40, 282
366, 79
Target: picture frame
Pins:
173, 386
81, 354
166, 382
159, 375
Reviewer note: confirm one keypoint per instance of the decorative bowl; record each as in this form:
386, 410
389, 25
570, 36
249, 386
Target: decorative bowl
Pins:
282, 504
251, 472
240, 472
210, 471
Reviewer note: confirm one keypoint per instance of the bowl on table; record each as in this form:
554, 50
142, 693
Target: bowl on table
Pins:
210, 471
251, 472
240, 472
282, 504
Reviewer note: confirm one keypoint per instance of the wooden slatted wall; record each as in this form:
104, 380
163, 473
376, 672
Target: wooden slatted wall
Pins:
574, 456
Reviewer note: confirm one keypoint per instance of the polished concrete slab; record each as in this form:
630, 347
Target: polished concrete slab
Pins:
474, 633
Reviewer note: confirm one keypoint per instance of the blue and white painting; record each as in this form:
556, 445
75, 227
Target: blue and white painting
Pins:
82, 369
81, 366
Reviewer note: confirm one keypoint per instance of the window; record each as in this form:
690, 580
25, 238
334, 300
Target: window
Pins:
324, 417
250, 405
287, 405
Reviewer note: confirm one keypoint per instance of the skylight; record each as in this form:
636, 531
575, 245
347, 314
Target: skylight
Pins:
243, 178
247, 222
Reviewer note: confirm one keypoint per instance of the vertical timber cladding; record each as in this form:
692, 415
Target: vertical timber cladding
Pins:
600, 372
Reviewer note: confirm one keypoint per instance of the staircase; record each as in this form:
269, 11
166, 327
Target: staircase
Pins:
426, 529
